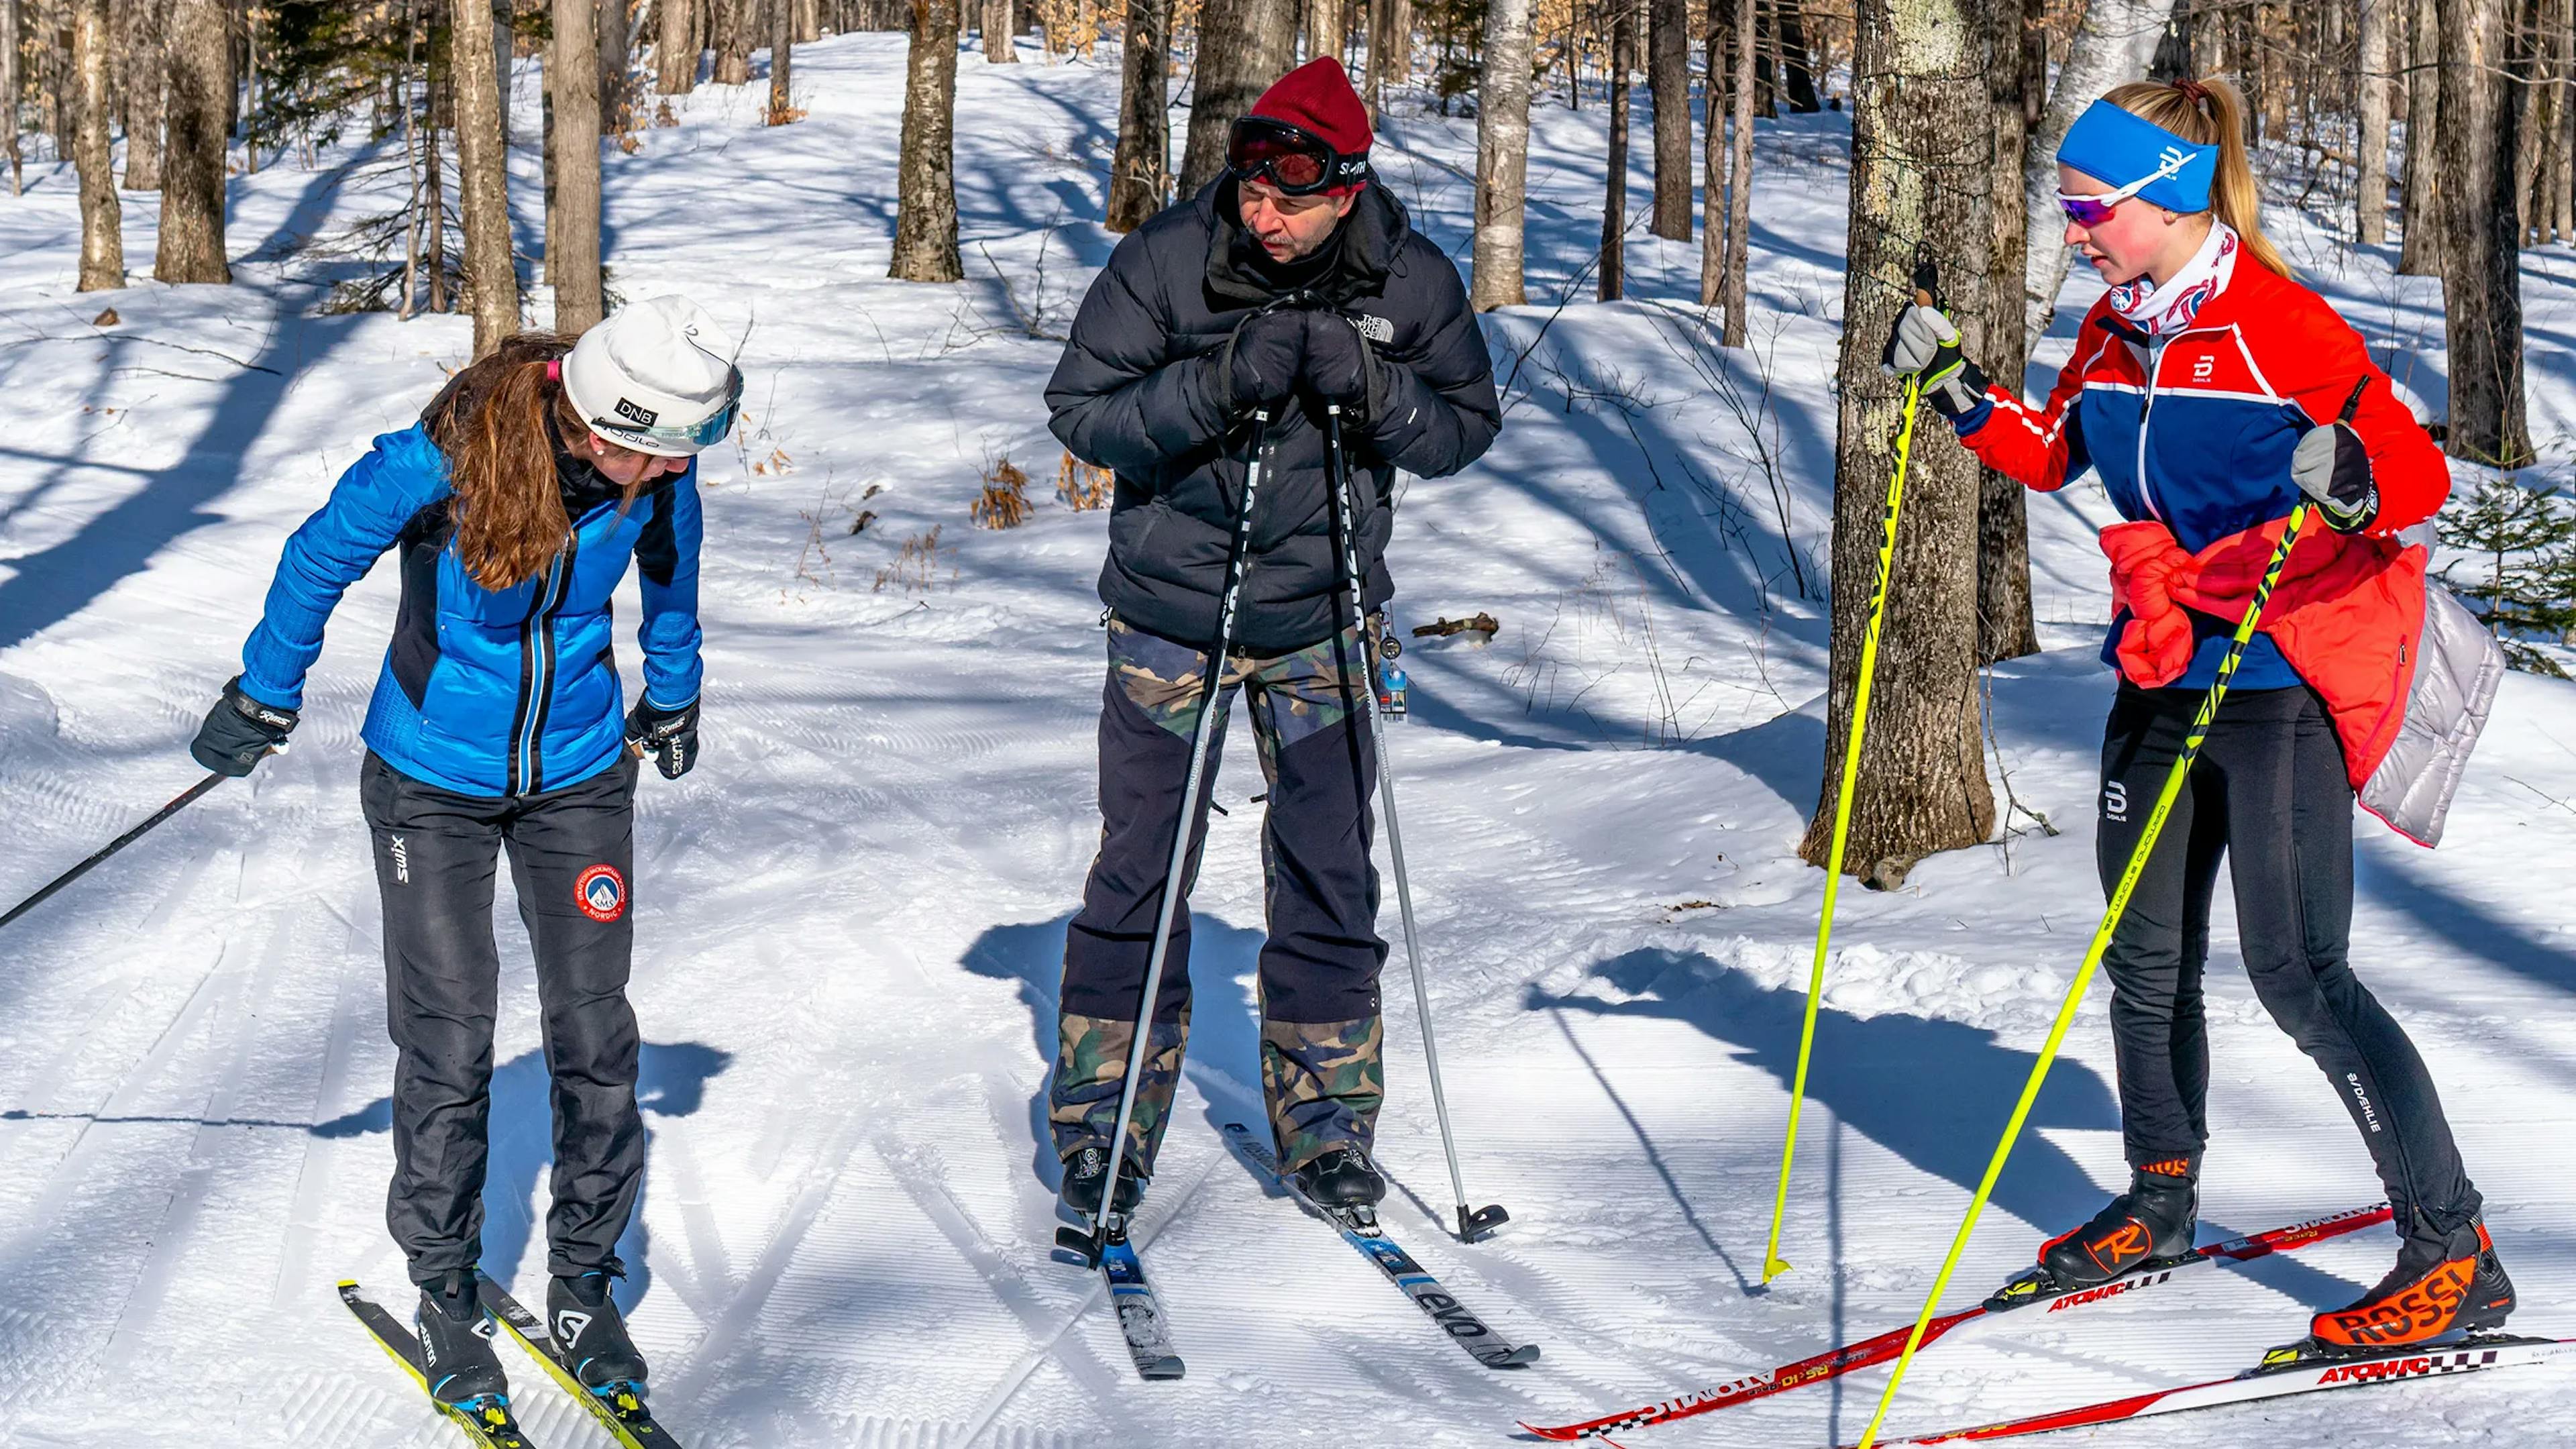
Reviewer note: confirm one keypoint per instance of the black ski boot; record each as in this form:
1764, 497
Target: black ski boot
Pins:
456, 1358
1084, 1172
1342, 1177
2151, 1224
591, 1333
2443, 1284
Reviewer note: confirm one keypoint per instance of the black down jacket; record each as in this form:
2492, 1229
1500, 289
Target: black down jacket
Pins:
1141, 390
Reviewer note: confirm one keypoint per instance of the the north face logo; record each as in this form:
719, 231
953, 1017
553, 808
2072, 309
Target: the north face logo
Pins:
1375, 329
642, 417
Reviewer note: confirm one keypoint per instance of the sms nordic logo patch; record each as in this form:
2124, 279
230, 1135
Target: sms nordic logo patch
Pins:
601, 893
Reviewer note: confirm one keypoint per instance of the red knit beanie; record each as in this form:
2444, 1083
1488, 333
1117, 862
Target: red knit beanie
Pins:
1317, 98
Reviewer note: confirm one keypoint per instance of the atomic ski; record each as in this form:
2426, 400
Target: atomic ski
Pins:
620, 1411
1359, 1228
2301, 1375
1140, 1313
1884, 1348
486, 1421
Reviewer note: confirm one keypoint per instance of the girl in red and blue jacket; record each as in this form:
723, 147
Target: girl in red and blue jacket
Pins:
515, 505
2211, 392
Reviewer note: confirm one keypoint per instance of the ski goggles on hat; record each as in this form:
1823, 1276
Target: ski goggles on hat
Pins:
2092, 211
1296, 161
704, 433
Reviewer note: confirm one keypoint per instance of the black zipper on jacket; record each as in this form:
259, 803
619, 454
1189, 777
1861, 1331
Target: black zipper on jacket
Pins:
536, 675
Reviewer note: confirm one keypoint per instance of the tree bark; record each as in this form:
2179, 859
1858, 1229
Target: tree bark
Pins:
1739, 170
1797, 70
572, 74
2419, 197
433, 193
1713, 190
782, 52
1140, 175
925, 229
612, 36
1502, 157
102, 263
996, 25
1668, 78
675, 59
732, 20
483, 169
2005, 626
1920, 115
1390, 51
146, 24
2370, 196
9, 83
2481, 245
2111, 46
1244, 45
1614, 201
192, 164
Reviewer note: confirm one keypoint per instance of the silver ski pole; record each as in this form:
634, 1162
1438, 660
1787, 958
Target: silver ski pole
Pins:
1481, 1221
1237, 563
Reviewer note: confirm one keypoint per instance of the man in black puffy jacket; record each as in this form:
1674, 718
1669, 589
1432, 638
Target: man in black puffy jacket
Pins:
1287, 285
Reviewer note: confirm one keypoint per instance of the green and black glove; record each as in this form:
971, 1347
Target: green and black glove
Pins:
1925, 341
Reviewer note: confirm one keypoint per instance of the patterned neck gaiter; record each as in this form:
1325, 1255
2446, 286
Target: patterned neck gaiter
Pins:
2163, 311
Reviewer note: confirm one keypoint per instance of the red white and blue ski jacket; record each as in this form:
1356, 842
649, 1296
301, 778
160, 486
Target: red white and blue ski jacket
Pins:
2194, 429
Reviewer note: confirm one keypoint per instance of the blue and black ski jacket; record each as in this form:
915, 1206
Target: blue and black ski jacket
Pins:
487, 692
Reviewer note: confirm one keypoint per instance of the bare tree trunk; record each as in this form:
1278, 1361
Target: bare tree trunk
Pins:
612, 37
996, 25
433, 191
925, 228
1713, 190
405, 83
1328, 28
145, 27
2420, 195
9, 83
483, 172
1140, 176
675, 59
782, 50
2111, 46
2370, 195
1919, 121
572, 73
2481, 251
2562, 185
1244, 45
2005, 626
732, 19
1739, 170
1614, 201
192, 167
102, 263
1502, 156
1390, 51
1797, 70
1668, 78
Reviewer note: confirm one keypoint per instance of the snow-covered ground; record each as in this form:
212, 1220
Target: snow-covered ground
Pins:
851, 914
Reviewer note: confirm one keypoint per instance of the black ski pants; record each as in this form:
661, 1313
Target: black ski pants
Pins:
2269, 794
572, 855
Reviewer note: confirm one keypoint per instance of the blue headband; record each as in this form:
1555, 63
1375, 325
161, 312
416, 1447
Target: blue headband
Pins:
2113, 145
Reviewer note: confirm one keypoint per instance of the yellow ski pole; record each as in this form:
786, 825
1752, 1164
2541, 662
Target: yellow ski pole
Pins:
1772, 1264
2093, 954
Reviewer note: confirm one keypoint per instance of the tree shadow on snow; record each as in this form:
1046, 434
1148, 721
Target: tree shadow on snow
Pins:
671, 1081
1224, 1055
1932, 1092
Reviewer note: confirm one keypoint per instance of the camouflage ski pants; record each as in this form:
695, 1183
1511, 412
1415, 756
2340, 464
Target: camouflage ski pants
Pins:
1320, 1037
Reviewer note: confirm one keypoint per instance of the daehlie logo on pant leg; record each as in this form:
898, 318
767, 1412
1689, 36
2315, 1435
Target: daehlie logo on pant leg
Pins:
2369, 1114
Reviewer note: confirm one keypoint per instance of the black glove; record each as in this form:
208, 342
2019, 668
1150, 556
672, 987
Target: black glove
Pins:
670, 736
238, 731
1926, 342
2332, 467
1339, 362
1261, 361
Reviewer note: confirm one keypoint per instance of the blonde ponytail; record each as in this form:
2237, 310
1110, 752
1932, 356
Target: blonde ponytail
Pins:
2210, 112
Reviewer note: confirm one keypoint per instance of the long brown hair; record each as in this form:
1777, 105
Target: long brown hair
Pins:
491, 420
2207, 113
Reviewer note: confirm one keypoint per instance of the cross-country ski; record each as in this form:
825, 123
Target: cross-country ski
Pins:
718, 690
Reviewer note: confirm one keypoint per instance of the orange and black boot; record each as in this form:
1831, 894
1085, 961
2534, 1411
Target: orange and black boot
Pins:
2149, 1225
2443, 1284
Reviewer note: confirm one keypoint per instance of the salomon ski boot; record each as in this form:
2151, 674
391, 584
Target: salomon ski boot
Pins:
591, 1334
2443, 1284
2148, 1226
1084, 1172
1342, 1178
456, 1358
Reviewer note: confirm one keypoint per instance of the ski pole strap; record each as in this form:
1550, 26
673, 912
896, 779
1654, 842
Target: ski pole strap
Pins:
186, 798
2111, 915
1772, 1263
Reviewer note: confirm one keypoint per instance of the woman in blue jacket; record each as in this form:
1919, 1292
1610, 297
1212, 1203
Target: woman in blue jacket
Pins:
514, 507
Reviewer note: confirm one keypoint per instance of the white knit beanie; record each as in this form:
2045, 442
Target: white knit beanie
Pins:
655, 378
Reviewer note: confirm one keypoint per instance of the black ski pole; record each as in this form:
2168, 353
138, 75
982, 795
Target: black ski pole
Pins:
1211, 702
186, 799
1480, 1221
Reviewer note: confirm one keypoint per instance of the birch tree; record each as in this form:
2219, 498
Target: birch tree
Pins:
1920, 117
2370, 189
1502, 156
2111, 47
102, 260
925, 228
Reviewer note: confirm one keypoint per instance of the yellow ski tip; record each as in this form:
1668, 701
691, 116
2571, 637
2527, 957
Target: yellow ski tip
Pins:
1773, 1268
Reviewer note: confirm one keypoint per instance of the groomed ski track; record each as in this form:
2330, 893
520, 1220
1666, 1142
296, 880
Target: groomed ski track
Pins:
850, 916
